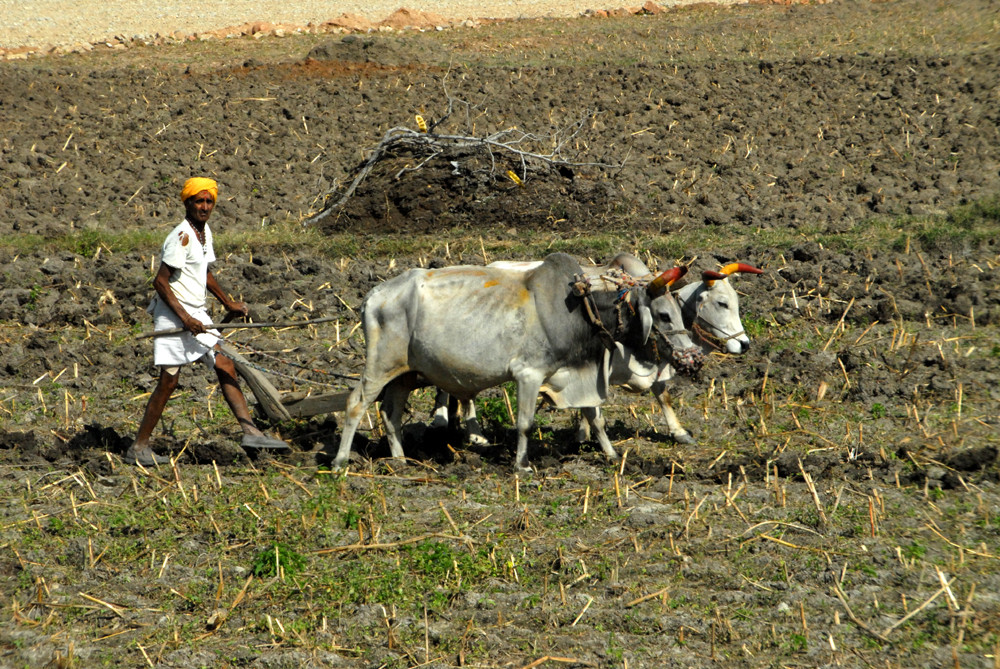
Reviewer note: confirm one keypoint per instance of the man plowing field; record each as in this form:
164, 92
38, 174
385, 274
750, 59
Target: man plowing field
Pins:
182, 282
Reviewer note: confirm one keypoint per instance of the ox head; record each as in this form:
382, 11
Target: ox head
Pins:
668, 322
712, 308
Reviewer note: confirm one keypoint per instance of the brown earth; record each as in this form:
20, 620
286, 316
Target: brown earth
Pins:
59, 27
851, 150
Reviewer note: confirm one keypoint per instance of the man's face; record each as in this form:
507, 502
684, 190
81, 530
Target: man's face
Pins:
199, 207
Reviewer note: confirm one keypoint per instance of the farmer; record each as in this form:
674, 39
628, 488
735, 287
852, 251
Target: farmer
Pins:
181, 284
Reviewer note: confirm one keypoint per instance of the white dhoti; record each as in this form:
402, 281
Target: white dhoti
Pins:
182, 348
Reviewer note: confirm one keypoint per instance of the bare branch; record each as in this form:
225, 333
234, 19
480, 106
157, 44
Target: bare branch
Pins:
430, 145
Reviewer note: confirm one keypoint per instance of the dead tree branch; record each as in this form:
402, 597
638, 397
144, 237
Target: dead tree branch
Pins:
429, 145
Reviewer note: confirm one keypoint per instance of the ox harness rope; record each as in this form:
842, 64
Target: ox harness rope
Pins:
715, 341
583, 288
260, 368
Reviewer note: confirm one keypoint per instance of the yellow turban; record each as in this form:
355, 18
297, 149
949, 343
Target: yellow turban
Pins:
195, 185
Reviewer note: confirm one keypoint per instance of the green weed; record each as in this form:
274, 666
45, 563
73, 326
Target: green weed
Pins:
351, 516
798, 643
914, 551
87, 242
493, 408
868, 570
32, 302
615, 652
967, 217
755, 326
277, 558
430, 572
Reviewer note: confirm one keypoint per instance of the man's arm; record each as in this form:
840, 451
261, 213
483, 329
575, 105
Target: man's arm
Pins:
231, 305
161, 283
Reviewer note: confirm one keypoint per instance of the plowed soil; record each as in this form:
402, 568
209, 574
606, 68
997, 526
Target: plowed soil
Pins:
840, 508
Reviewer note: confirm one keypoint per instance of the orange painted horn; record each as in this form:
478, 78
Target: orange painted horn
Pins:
675, 274
710, 275
734, 267
660, 284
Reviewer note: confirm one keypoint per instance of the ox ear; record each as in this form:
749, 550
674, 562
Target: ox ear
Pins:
646, 319
660, 284
735, 267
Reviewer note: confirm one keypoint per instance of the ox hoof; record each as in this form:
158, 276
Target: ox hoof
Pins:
474, 432
439, 422
395, 463
684, 438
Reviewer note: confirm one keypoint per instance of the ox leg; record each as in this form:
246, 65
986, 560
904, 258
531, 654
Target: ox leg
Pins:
357, 403
448, 409
393, 403
440, 415
454, 412
594, 419
674, 427
473, 430
527, 399
583, 428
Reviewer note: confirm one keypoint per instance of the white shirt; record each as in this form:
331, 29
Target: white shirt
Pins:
190, 260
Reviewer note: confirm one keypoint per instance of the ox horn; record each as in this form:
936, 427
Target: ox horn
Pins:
711, 276
659, 285
735, 267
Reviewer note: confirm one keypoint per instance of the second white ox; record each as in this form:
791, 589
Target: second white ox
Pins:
710, 309
465, 329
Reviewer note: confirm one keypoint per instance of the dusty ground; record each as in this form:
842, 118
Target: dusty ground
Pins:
851, 150
60, 26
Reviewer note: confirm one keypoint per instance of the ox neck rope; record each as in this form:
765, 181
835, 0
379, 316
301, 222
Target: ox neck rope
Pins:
715, 341
702, 327
582, 289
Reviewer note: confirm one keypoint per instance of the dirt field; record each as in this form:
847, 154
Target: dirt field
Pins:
72, 26
841, 507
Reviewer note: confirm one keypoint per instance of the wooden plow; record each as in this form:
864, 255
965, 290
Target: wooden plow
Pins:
277, 405
283, 405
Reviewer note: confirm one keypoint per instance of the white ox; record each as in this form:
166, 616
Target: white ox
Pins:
465, 329
710, 308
